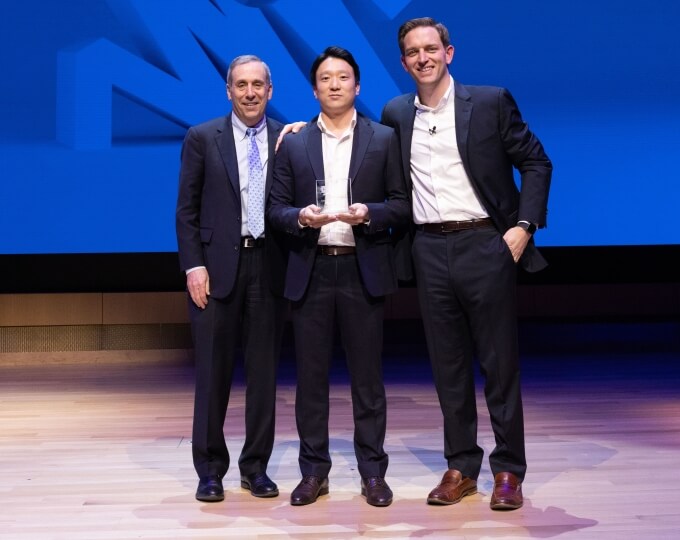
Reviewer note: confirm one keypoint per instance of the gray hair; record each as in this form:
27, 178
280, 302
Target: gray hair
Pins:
245, 59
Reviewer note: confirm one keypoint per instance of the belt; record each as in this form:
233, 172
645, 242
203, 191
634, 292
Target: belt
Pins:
250, 242
454, 226
336, 250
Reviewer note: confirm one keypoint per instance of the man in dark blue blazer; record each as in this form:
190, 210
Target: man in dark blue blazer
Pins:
340, 267
472, 227
234, 267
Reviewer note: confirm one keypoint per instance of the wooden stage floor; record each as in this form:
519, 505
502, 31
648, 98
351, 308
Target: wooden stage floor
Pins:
97, 446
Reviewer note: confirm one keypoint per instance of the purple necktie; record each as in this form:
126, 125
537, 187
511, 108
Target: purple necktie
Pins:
255, 187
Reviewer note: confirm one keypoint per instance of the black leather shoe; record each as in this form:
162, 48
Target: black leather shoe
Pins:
210, 489
308, 490
260, 485
376, 491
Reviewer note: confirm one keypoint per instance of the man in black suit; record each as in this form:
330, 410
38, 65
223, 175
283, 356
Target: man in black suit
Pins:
472, 227
341, 266
234, 269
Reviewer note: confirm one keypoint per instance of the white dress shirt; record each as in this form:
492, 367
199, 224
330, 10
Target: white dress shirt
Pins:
337, 154
441, 188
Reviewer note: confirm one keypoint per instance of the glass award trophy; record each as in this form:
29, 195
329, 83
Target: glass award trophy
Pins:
334, 196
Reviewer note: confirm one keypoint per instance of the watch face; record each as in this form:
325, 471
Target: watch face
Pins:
528, 227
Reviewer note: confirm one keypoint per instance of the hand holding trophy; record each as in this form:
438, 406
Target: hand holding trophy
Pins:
335, 198
333, 203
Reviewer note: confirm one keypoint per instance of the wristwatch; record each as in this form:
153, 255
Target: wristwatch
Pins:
528, 227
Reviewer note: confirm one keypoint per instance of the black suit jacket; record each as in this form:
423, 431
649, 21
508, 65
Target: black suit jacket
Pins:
208, 217
492, 140
377, 181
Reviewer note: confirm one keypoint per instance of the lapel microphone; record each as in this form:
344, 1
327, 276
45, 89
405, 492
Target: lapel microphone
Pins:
433, 130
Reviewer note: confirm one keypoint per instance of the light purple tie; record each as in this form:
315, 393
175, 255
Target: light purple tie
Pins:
255, 187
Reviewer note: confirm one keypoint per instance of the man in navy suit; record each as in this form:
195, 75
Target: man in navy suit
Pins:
340, 267
472, 227
234, 272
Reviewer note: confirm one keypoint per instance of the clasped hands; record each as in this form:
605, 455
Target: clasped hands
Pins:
311, 216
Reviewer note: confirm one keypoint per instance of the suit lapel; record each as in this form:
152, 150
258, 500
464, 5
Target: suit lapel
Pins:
273, 131
363, 132
225, 142
314, 150
406, 135
463, 108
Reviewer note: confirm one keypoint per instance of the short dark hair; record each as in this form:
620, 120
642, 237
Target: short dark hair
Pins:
423, 21
334, 52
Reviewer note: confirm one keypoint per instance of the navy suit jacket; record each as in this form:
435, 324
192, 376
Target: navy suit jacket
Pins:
376, 180
492, 140
208, 217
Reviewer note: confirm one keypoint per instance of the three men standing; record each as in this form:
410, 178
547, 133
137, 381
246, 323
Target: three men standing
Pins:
340, 193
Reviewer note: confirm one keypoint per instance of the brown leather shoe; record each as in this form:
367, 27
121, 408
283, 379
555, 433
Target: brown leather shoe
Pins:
507, 492
308, 490
452, 488
376, 491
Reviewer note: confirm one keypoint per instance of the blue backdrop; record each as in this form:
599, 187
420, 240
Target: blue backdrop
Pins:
96, 96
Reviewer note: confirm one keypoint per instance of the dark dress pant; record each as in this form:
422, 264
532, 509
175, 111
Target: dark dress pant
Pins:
250, 317
335, 295
467, 294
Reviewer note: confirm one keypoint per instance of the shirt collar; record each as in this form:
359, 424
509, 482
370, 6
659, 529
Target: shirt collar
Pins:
326, 131
240, 128
450, 93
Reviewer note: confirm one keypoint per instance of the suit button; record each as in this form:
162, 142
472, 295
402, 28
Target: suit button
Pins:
236, 247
